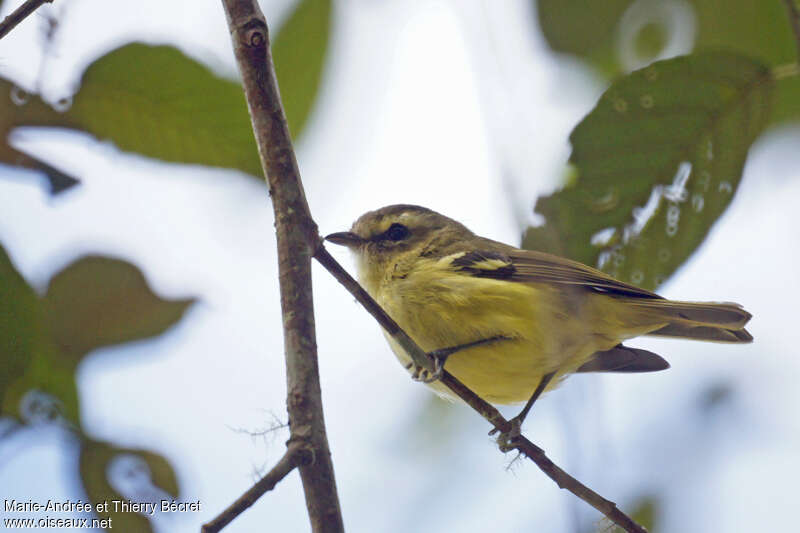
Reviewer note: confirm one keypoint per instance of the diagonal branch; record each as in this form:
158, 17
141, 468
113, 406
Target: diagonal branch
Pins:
20, 14
294, 455
297, 239
485, 409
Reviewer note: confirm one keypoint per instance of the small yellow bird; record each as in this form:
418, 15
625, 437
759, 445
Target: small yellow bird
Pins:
511, 323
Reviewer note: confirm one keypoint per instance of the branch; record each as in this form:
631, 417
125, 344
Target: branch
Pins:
19, 14
297, 237
537, 455
794, 19
290, 460
486, 410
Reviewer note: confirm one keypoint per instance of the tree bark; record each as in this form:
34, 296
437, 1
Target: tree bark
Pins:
297, 239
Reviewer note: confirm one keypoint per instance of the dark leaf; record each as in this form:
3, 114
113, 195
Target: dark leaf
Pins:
658, 160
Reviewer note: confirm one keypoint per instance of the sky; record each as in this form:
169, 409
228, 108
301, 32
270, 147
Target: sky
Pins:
457, 106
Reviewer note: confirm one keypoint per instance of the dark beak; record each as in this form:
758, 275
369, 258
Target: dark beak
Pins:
345, 238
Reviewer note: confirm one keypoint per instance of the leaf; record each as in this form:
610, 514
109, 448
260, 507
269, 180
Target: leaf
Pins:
98, 301
112, 473
21, 108
298, 51
47, 391
20, 326
152, 100
646, 512
581, 28
156, 101
36, 384
599, 32
94, 302
658, 160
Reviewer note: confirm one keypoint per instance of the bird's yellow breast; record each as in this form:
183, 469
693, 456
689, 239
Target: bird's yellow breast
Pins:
440, 307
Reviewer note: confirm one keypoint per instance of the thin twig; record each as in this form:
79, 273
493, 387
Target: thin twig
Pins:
19, 14
297, 238
286, 464
485, 409
794, 19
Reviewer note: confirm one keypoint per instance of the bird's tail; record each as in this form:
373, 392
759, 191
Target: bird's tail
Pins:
706, 321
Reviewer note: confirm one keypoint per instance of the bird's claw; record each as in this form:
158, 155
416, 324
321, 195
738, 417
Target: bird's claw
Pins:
424, 375
440, 358
506, 439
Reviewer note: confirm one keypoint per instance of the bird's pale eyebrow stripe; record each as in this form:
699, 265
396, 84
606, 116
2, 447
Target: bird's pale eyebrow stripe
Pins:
485, 265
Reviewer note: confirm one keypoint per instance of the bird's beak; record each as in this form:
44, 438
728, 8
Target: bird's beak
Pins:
345, 238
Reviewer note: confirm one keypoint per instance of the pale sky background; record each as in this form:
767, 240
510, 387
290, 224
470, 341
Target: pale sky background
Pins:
458, 106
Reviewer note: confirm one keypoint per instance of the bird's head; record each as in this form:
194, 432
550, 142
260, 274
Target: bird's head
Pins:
380, 238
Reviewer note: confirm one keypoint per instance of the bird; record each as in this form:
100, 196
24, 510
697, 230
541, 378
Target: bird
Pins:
511, 323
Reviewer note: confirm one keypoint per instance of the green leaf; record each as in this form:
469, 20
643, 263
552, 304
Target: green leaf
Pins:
19, 108
35, 383
20, 327
298, 51
674, 137
47, 391
598, 31
98, 301
156, 101
152, 100
584, 29
646, 512
94, 302
141, 471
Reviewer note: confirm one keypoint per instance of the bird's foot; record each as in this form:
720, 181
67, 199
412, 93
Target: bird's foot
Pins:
440, 357
506, 439
422, 374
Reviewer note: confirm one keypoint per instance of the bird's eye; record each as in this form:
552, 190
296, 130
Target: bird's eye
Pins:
397, 232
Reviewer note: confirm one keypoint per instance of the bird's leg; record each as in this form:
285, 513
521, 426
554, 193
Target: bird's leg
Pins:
505, 438
440, 357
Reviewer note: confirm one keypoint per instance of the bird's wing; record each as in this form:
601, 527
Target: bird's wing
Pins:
623, 358
527, 266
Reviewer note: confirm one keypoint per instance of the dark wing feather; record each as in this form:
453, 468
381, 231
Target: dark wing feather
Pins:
485, 264
542, 267
527, 266
624, 359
